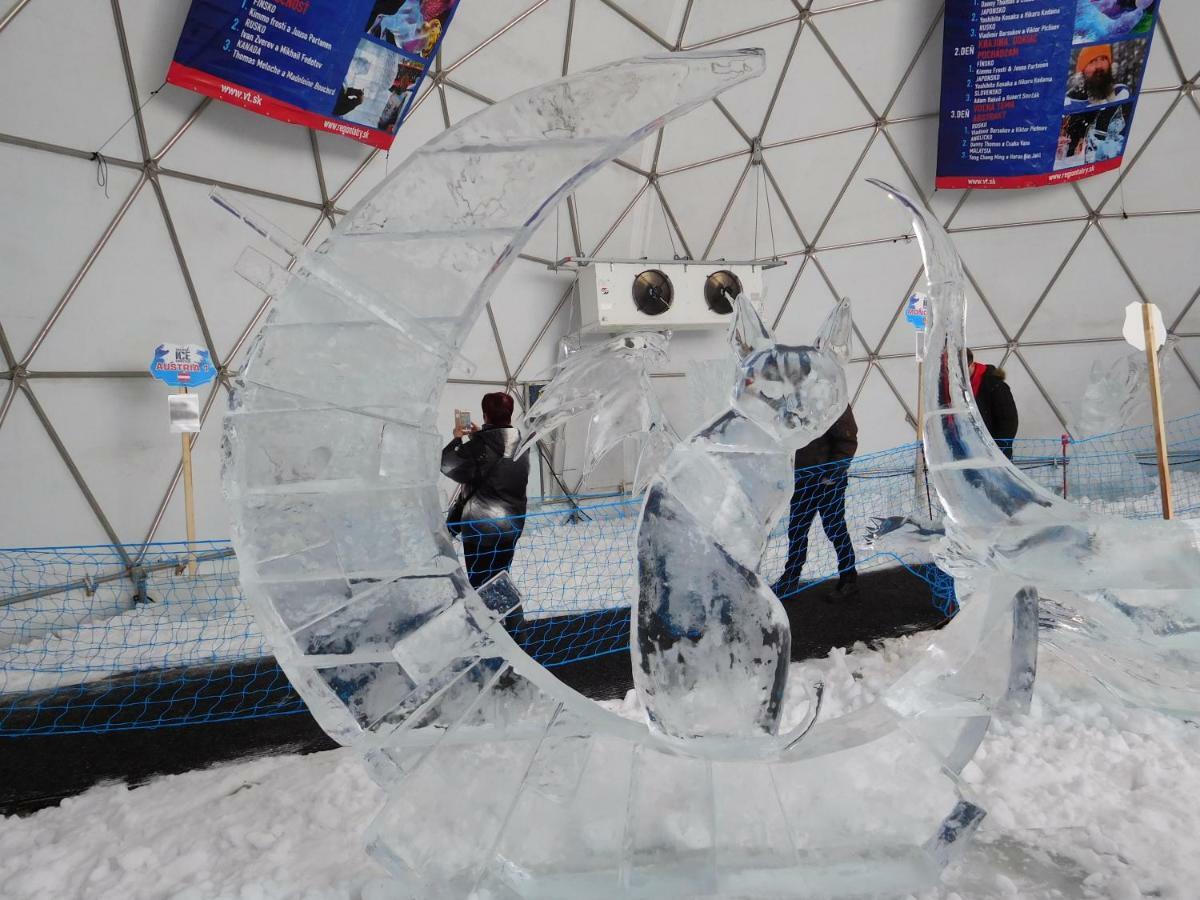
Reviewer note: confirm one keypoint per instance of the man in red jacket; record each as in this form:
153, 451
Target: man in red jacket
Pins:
995, 402
822, 472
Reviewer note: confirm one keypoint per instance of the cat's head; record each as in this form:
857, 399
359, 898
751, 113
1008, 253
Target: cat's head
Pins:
795, 393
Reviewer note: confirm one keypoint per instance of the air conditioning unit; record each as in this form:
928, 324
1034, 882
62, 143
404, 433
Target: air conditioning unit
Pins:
622, 295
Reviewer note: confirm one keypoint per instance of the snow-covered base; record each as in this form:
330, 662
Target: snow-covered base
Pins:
1085, 799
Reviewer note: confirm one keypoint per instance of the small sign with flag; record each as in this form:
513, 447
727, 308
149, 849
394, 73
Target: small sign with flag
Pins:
916, 311
182, 365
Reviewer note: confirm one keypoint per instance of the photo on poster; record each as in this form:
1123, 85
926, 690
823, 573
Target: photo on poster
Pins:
414, 26
377, 86
1103, 20
1092, 137
1105, 73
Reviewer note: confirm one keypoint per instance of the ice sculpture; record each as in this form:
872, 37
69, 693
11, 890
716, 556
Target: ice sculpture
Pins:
609, 381
708, 381
500, 780
1126, 592
1116, 393
710, 640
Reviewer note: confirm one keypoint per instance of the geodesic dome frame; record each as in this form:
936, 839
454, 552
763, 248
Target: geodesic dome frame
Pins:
97, 273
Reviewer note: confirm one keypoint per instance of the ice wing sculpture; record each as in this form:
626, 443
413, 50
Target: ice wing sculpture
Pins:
500, 780
611, 383
1003, 530
1115, 393
711, 642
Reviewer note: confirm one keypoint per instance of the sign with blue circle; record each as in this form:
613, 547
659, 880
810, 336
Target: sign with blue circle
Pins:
917, 310
182, 365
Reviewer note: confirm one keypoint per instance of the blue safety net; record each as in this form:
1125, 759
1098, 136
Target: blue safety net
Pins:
107, 638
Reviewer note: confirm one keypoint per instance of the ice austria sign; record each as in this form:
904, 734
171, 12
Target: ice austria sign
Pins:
349, 67
916, 311
1039, 92
182, 365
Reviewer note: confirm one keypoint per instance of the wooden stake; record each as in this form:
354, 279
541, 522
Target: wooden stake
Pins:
1156, 408
189, 505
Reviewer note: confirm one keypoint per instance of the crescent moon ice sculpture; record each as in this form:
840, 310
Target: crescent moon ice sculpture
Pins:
501, 781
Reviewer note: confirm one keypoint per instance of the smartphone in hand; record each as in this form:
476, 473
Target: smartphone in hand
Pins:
462, 419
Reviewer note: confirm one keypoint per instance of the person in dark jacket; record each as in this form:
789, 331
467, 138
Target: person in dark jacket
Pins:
489, 509
995, 402
822, 472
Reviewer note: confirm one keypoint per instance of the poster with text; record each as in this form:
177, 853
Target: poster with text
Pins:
1038, 92
349, 67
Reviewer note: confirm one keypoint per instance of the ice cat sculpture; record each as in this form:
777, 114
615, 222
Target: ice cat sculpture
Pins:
710, 640
500, 781
708, 514
1131, 613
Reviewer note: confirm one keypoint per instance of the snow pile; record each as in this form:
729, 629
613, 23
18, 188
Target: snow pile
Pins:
1085, 799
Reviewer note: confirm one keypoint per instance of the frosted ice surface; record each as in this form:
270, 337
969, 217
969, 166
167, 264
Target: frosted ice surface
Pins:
709, 384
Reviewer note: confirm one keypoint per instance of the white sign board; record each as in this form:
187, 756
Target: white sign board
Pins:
1134, 330
184, 410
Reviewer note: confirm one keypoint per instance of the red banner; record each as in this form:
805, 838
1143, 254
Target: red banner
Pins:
220, 89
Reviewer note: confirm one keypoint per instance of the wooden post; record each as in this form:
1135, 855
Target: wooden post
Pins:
189, 504
1156, 409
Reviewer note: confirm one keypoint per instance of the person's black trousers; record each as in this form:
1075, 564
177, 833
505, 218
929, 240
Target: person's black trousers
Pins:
488, 552
824, 493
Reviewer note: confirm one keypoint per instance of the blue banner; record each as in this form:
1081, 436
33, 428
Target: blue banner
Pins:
349, 67
1038, 92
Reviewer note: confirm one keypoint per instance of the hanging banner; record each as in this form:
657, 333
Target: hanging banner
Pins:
1038, 92
349, 67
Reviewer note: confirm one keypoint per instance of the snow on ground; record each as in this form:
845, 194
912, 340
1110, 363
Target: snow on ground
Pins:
1085, 799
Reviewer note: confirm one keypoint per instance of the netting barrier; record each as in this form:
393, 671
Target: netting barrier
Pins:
90, 643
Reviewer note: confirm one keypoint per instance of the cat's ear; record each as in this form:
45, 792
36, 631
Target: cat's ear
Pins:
748, 334
834, 335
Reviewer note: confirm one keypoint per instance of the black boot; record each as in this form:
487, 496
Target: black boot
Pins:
847, 588
786, 586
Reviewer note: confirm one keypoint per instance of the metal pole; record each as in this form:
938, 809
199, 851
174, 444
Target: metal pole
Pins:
90, 582
1066, 441
189, 505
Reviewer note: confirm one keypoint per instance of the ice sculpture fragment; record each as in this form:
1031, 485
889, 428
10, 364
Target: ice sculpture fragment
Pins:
1114, 580
499, 778
611, 382
1116, 393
